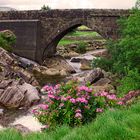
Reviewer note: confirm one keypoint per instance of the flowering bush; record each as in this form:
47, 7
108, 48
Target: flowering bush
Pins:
72, 104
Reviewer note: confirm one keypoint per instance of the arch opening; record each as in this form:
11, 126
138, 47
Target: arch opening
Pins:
78, 41
78, 38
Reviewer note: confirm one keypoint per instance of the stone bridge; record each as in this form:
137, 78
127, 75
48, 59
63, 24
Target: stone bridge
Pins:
38, 32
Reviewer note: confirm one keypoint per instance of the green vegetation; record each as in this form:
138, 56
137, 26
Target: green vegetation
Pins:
83, 34
7, 39
64, 42
129, 82
124, 54
77, 104
137, 5
111, 125
81, 43
81, 47
45, 8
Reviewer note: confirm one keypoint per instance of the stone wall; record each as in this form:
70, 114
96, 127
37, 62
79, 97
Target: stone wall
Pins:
54, 24
26, 32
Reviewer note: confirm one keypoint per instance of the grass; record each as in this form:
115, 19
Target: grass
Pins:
111, 125
64, 42
83, 33
76, 33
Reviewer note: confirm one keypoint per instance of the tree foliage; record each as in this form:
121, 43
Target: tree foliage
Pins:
7, 39
137, 5
125, 53
45, 8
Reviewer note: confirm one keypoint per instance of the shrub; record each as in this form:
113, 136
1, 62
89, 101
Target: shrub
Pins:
129, 82
81, 47
45, 8
103, 63
124, 54
7, 39
72, 104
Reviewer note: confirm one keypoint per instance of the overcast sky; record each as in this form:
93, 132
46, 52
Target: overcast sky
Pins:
66, 4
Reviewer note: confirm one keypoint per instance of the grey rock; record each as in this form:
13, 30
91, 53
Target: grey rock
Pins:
22, 129
17, 94
93, 76
31, 96
102, 82
5, 57
85, 64
59, 63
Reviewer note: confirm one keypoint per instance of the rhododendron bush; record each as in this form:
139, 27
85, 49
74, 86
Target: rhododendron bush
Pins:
72, 104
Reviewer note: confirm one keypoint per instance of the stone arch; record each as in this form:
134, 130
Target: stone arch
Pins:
60, 32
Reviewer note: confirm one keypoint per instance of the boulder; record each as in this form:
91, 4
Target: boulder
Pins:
87, 56
46, 75
51, 72
10, 69
22, 129
14, 94
24, 62
31, 96
102, 82
90, 76
100, 53
93, 76
6, 58
76, 59
85, 64
59, 63
70, 54
48, 72
106, 87
12, 97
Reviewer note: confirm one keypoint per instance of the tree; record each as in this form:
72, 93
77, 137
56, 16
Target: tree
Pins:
45, 8
137, 5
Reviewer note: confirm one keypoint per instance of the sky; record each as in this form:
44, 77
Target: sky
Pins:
67, 4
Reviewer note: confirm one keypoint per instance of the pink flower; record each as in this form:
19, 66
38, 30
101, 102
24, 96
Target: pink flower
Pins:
82, 100
57, 86
78, 111
57, 97
96, 94
61, 105
43, 106
68, 97
120, 103
46, 87
72, 100
103, 93
111, 97
34, 111
47, 126
63, 98
99, 110
78, 115
84, 88
51, 96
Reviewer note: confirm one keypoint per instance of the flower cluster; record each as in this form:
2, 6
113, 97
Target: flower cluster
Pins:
72, 104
